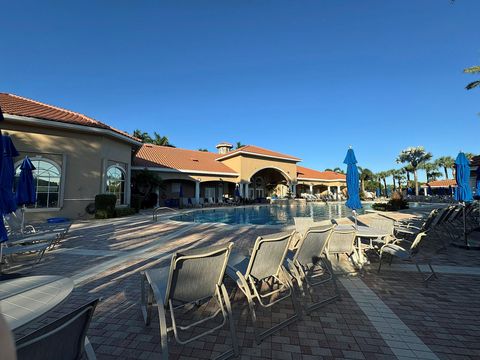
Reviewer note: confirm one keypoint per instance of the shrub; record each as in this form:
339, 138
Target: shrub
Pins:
124, 211
101, 214
105, 203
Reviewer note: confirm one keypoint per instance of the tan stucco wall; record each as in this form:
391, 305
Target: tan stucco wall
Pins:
247, 166
85, 158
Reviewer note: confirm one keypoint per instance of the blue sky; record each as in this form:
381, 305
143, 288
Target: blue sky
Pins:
307, 78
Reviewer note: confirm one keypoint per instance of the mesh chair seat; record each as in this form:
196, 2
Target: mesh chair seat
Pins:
397, 251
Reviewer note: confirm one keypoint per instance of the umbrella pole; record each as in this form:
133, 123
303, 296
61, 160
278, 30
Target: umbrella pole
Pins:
355, 217
465, 225
23, 219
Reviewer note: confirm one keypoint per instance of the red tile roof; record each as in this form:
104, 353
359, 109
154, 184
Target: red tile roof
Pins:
21, 106
306, 173
256, 150
443, 183
156, 156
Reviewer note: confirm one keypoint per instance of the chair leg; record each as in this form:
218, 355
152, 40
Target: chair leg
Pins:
146, 300
90, 354
380, 263
162, 319
233, 333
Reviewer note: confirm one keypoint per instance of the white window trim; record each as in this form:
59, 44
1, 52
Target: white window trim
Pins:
118, 166
61, 190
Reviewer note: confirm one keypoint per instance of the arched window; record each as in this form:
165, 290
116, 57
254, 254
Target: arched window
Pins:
47, 175
116, 183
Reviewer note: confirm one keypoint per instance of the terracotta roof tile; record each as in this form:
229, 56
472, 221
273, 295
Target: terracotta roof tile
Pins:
21, 106
181, 159
443, 183
256, 150
306, 173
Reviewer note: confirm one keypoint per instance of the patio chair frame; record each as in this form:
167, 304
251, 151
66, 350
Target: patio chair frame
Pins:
306, 274
277, 279
152, 295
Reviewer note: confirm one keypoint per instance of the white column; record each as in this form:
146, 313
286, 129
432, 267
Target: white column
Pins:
294, 190
246, 191
197, 192
311, 189
338, 192
328, 189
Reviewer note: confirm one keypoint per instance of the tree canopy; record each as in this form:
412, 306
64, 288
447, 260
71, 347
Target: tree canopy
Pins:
157, 139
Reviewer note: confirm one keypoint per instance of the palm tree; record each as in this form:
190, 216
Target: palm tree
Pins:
161, 140
431, 170
338, 170
446, 162
414, 156
392, 174
142, 135
469, 156
365, 175
472, 70
202, 149
383, 176
239, 145
399, 176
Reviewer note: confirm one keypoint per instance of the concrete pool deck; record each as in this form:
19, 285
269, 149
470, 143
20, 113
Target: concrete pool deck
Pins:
381, 316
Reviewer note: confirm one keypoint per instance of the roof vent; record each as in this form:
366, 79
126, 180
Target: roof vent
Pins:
224, 147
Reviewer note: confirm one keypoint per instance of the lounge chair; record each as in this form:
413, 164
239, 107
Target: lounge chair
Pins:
14, 226
310, 266
265, 268
63, 339
411, 254
194, 277
343, 242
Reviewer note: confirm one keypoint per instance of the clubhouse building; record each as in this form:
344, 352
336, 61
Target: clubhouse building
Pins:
77, 157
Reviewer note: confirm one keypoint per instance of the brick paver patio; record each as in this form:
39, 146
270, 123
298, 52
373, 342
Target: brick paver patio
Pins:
381, 316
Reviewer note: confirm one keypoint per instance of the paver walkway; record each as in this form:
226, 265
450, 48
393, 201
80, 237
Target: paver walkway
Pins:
381, 316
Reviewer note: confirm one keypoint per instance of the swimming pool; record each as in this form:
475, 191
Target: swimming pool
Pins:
269, 214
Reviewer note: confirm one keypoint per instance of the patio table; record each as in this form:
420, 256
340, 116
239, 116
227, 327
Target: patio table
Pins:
25, 299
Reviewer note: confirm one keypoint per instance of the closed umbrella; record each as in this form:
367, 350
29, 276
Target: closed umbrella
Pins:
237, 191
7, 199
353, 181
26, 194
477, 181
3, 231
463, 192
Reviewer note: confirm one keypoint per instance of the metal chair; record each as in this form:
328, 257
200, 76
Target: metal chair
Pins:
407, 254
194, 277
63, 339
343, 242
265, 268
310, 266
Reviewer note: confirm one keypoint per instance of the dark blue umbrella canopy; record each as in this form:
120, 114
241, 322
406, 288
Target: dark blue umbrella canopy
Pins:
353, 180
7, 198
478, 181
3, 232
462, 175
26, 194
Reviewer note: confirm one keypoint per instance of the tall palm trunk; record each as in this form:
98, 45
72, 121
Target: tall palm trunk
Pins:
385, 185
446, 172
362, 185
415, 178
408, 176
394, 184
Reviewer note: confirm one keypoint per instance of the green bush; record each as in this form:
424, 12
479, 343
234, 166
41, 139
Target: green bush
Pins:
105, 203
392, 205
124, 211
101, 214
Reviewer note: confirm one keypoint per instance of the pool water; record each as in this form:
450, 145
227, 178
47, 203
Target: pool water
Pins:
269, 214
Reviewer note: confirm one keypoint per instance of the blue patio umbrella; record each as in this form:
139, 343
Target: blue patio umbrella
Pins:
7, 199
477, 181
26, 190
26, 194
378, 192
353, 180
3, 231
463, 192
462, 175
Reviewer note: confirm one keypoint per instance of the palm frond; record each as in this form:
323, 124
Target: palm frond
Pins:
472, 85
472, 70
